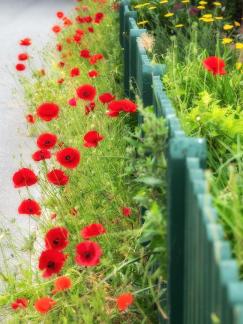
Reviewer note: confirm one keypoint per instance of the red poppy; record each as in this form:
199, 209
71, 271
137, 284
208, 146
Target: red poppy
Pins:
68, 157
29, 207
92, 230
67, 21
215, 65
106, 97
57, 238
126, 211
60, 81
85, 53
20, 303
48, 111
98, 17
51, 262
59, 47
41, 155
20, 67
77, 38
92, 139
25, 42
56, 29
88, 19
61, 284
72, 102
74, 72
91, 29
57, 177
124, 301
44, 305
23, 57
93, 74
90, 107
60, 14
24, 178
88, 254
30, 119
94, 58
46, 141
126, 105
86, 92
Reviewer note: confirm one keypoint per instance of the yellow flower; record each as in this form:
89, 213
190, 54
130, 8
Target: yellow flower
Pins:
228, 27
207, 20
142, 5
185, 1
219, 18
217, 4
200, 7
202, 3
164, 1
227, 40
179, 25
239, 46
236, 23
238, 65
169, 14
142, 22
152, 8
207, 16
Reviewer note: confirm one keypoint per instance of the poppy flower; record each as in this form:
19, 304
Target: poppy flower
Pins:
92, 230
86, 92
20, 67
215, 65
126, 211
51, 262
72, 102
30, 119
126, 105
98, 17
74, 72
23, 57
59, 47
44, 305
124, 301
88, 19
68, 157
48, 111
94, 58
24, 178
25, 42
91, 29
106, 97
60, 81
20, 303
56, 238
60, 14
62, 284
56, 29
85, 53
67, 21
93, 74
41, 155
57, 177
88, 254
46, 141
29, 207
77, 38
90, 107
92, 139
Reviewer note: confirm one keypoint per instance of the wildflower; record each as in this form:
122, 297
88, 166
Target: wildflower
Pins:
29, 207
126, 211
239, 46
238, 65
56, 29
74, 72
115, 107
57, 177
219, 18
99, 16
72, 102
62, 284
48, 111
143, 22
203, 3
93, 74
227, 40
92, 138
68, 157
86, 92
142, 5
90, 29
237, 24
217, 4
59, 47
30, 119
106, 97
169, 14
46, 141
44, 305
164, 1
20, 303
92, 230
25, 42
90, 107
51, 262
200, 7
57, 238
228, 27
185, 1
23, 57
41, 155
214, 65
60, 81
60, 14
124, 301
88, 254
85, 53
24, 178
20, 67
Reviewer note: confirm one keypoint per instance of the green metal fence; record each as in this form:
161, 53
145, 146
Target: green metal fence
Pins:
203, 279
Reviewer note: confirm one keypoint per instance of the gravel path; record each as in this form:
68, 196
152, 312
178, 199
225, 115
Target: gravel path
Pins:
18, 19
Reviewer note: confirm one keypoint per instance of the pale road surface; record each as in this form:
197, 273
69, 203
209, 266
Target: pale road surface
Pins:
18, 19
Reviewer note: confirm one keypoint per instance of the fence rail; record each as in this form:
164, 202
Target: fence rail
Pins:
203, 278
